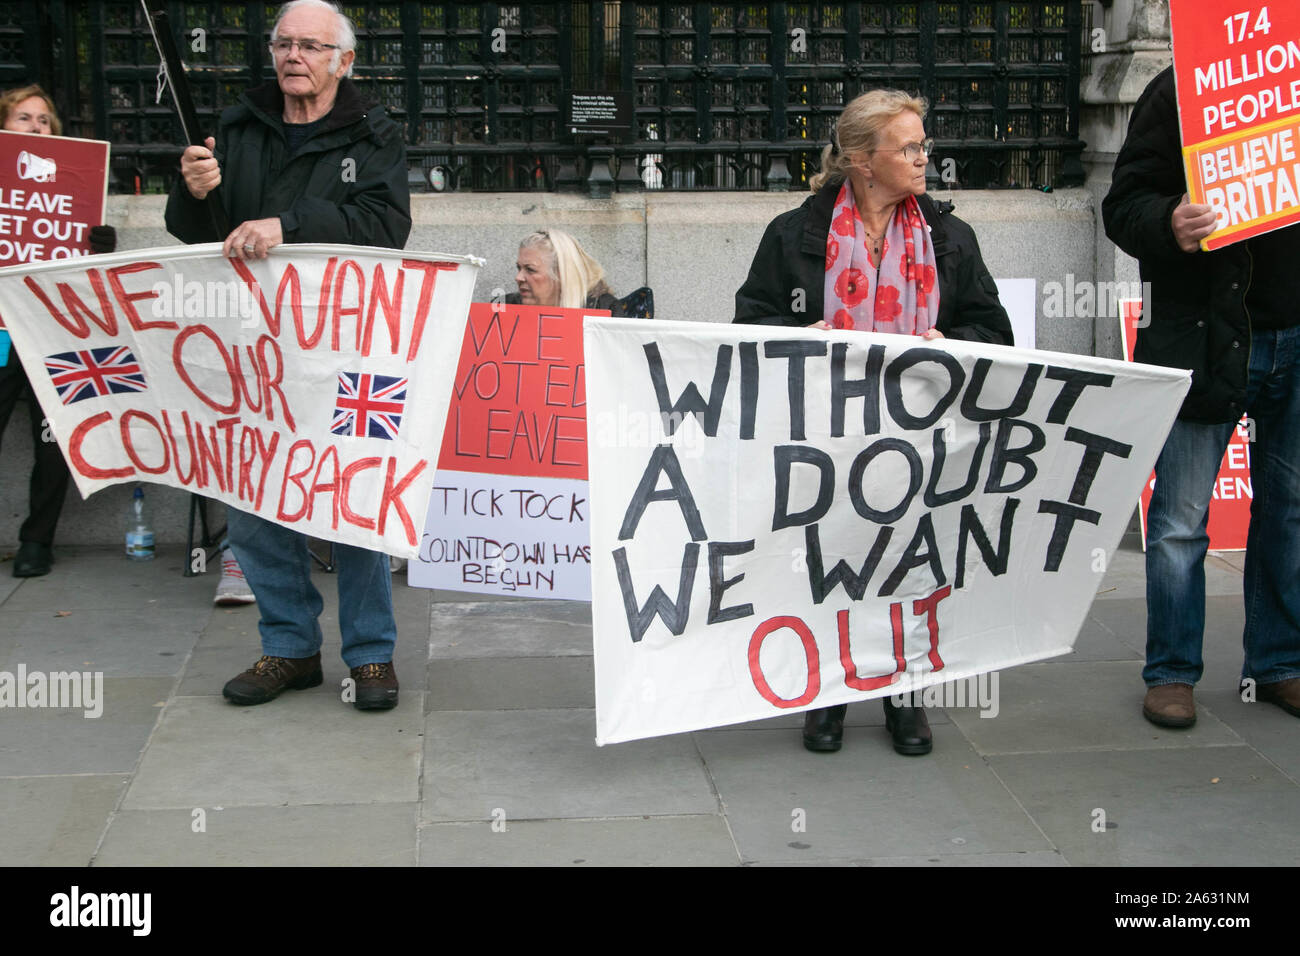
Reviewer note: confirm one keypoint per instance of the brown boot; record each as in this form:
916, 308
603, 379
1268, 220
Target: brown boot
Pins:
270, 675
1170, 705
1284, 693
376, 686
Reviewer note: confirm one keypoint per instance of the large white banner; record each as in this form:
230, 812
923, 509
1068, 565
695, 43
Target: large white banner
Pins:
822, 517
309, 387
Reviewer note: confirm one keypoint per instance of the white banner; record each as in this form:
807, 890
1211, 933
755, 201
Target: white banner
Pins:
831, 516
508, 507
309, 387
502, 534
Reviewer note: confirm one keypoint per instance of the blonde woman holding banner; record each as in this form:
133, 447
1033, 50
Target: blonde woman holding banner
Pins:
869, 251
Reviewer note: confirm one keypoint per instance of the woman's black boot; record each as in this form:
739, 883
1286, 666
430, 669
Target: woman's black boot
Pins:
823, 729
909, 727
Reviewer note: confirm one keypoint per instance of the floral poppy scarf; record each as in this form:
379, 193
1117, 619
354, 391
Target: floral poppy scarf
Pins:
901, 296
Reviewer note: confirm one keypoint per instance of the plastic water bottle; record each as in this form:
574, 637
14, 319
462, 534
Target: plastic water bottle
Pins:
139, 533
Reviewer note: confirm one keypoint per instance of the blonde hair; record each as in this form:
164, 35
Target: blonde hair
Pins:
11, 99
579, 275
858, 129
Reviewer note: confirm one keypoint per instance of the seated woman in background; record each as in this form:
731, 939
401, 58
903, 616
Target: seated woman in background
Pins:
554, 270
871, 252
30, 110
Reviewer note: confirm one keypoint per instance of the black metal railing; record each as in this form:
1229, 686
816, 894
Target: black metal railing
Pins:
725, 95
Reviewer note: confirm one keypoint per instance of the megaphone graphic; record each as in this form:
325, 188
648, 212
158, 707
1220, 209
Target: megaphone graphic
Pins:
35, 168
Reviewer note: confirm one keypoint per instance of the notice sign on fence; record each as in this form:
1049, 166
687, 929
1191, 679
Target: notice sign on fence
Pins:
309, 388
508, 513
818, 518
1237, 71
600, 113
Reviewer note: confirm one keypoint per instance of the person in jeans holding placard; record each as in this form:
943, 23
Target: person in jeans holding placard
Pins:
305, 159
30, 110
1232, 316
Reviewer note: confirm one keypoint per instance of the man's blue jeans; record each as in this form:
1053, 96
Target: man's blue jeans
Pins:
277, 566
1177, 539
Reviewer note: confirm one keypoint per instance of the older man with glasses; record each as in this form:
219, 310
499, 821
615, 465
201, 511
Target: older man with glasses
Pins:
304, 159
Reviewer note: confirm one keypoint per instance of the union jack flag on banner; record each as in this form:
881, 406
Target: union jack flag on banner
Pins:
369, 405
94, 372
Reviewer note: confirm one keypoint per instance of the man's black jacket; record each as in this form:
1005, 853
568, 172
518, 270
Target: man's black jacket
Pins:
346, 184
792, 256
1196, 317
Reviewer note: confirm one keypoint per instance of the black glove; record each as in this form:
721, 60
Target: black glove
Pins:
102, 239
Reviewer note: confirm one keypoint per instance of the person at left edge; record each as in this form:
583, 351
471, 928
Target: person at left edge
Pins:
870, 251
29, 109
283, 152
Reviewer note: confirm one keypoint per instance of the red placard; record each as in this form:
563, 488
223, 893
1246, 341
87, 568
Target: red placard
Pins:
52, 190
518, 405
1229, 519
1237, 70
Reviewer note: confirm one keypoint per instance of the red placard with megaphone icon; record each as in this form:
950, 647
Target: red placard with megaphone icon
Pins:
52, 190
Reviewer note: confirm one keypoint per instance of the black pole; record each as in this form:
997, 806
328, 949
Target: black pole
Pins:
155, 15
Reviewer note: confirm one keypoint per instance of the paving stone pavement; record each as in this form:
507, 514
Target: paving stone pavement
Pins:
490, 758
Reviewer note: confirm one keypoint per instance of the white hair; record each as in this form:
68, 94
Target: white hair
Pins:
579, 275
346, 39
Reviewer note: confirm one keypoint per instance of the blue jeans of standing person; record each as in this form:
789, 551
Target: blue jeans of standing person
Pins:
1177, 539
277, 566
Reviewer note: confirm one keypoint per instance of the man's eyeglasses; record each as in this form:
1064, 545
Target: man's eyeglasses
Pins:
282, 47
912, 151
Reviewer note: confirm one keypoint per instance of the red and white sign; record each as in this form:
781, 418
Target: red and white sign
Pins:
52, 190
1237, 70
508, 512
309, 388
1229, 520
